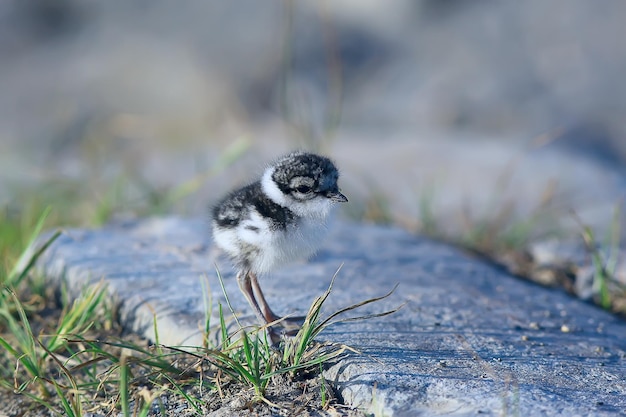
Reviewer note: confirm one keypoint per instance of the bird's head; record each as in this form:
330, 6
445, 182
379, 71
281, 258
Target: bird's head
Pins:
303, 182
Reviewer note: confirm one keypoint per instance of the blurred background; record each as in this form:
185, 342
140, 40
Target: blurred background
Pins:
444, 115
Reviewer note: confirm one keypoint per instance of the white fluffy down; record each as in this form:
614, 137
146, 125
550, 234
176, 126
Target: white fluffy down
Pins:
270, 188
275, 247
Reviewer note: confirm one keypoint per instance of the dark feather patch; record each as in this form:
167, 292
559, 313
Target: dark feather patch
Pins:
303, 164
236, 206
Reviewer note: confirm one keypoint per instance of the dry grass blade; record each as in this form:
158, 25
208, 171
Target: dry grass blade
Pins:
367, 316
302, 351
328, 320
76, 404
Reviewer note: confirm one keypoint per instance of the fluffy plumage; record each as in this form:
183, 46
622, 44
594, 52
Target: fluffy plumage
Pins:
276, 220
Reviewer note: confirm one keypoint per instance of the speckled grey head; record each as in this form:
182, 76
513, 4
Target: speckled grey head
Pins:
304, 182
305, 176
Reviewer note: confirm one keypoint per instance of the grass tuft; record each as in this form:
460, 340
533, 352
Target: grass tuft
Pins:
604, 262
78, 364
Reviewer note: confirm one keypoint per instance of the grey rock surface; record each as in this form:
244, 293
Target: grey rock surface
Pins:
470, 339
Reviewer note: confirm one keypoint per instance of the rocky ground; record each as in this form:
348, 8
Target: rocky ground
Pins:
468, 339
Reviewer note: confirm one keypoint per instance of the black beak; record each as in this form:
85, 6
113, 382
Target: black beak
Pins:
337, 197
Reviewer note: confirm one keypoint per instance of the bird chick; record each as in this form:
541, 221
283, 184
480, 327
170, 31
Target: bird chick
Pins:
277, 219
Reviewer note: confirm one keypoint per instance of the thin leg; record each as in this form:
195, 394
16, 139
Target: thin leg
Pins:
290, 323
243, 279
268, 314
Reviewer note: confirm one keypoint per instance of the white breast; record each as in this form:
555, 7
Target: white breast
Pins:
297, 242
272, 248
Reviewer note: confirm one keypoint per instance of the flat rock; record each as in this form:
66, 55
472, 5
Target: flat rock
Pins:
469, 339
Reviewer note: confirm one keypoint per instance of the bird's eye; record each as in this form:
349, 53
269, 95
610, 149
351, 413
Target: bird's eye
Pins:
303, 189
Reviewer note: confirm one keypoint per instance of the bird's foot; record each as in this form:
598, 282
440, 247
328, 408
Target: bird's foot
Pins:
284, 327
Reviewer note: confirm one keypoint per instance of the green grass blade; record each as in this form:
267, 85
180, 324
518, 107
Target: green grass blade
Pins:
207, 302
27, 259
67, 407
76, 401
22, 330
223, 329
124, 387
230, 307
190, 400
80, 317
